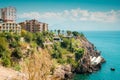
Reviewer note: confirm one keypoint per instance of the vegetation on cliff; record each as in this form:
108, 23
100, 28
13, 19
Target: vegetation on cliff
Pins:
39, 54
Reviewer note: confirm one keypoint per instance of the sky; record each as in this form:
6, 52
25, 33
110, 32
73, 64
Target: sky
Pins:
82, 15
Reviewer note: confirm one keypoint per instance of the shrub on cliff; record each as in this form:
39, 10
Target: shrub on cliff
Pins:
3, 46
79, 53
65, 43
72, 62
28, 37
56, 55
6, 61
61, 61
17, 67
57, 51
9, 36
14, 44
17, 53
23, 32
40, 40
17, 37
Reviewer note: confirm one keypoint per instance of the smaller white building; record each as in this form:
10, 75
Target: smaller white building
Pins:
96, 60
57, 39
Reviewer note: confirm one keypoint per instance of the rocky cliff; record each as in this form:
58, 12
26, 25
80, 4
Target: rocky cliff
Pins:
90, 62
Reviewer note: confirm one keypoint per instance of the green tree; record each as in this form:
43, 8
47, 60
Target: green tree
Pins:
81, 34
71, 46
75, 33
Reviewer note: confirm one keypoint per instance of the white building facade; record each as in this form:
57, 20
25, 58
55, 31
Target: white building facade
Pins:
10, 27
8, 14
8, 20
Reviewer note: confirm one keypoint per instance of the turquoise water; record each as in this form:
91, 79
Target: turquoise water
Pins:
109, 44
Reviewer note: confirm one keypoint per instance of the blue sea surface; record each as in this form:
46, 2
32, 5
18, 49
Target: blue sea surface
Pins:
108, 42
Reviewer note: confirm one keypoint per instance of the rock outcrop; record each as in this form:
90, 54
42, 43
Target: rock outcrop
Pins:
63, 72
91, 60
10, 74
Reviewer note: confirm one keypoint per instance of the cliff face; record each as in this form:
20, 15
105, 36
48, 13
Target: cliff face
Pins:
91, 60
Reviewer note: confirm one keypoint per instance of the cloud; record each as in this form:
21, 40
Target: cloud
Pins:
103, 16
75, 15
35, 15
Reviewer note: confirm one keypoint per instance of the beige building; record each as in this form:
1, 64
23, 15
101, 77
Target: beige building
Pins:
34, 26
45, 27
10, 27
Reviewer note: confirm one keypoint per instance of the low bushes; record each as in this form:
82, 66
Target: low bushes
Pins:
17, 53
79, 53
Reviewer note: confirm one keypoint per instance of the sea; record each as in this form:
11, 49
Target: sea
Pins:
108, 42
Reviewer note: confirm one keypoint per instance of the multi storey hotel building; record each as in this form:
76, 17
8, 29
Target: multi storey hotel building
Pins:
34, 26
8, 20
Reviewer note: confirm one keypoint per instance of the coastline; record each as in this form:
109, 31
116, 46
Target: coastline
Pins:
86, 65
68, 54
107, 42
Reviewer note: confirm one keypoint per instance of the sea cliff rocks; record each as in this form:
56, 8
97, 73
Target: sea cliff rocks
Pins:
63, 72
91, 61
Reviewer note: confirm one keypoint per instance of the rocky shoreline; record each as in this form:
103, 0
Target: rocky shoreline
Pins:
89, 63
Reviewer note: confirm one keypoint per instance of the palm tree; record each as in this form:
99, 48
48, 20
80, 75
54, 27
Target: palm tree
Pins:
63, 32
58, 32
55, 31
51, 30
69, 33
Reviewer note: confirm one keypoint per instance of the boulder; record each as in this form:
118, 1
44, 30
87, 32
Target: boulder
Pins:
63, 72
